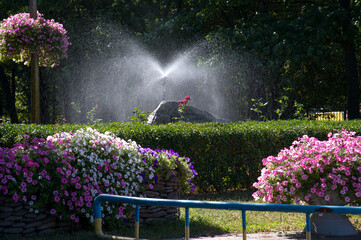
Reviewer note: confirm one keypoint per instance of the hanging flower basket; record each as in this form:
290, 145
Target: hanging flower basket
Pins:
21, 36
314, 172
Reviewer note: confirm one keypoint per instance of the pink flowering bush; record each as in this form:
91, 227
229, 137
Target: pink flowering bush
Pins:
20, 36
184, 102
313, 171
65, 172
183, 105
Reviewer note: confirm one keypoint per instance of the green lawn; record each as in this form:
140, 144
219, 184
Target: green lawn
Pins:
206, 222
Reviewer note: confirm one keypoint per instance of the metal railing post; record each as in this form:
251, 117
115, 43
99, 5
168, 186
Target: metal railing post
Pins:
187, 235
308, 226
137, 222
244, 225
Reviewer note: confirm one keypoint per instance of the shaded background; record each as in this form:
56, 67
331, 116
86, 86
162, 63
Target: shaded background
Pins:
277, 58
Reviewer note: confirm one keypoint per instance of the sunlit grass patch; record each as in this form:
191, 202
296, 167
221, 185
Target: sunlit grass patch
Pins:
230, 221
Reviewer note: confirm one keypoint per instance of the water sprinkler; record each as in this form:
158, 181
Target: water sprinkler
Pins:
164, 78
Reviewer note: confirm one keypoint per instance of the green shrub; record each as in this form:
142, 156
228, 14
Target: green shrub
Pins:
226, 156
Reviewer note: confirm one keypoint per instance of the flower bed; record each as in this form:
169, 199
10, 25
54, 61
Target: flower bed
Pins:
313, 171
74, 168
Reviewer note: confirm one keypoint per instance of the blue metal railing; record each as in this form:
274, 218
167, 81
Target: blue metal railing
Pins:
307, 209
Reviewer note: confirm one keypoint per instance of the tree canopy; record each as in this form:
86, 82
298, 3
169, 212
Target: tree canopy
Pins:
278, 57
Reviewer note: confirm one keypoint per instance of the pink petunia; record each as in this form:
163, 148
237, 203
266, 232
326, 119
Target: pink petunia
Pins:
327, 197
15, 197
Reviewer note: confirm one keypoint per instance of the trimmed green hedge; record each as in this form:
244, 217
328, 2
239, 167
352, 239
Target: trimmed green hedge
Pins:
226, 156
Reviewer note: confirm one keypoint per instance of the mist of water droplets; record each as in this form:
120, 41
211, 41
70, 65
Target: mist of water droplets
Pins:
137, 79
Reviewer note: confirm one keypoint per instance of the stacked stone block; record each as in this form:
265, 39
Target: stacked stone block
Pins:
169, 189
16, 220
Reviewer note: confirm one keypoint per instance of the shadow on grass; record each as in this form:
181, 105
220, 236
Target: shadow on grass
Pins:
301, 235
156, 231
76, 235
170, 229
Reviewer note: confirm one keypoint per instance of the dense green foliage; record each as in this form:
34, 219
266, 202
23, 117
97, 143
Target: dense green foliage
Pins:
307, 52
226, 156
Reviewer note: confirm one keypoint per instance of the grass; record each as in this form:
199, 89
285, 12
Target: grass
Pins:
231, 221
205, 222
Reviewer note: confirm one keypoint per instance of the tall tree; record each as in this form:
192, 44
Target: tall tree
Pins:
348, 45
305, 50
9, 97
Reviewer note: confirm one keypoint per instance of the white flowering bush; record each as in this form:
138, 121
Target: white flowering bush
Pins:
314, 171
21, 35
106, 164
65, 172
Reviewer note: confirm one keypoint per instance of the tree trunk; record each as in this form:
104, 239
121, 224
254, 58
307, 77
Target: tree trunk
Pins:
13, 83
1, 107
44, 99
353, 101
35, 81
353, 83
9, 99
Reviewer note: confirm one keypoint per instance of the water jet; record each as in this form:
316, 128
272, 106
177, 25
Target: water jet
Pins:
138, 79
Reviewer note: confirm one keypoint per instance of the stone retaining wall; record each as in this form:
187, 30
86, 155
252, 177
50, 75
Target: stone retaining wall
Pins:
169, 189
16, 220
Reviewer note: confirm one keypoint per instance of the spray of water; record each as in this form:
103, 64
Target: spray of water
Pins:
137, 79
122, 75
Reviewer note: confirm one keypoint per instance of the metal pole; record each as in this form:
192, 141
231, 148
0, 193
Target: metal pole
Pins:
137, 222
308, 226
244, 225
35, 80
187, 235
